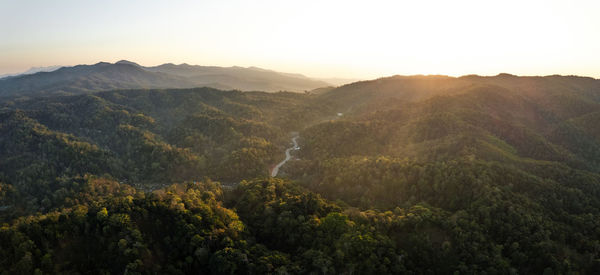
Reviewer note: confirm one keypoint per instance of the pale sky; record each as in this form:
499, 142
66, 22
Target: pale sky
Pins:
353, 39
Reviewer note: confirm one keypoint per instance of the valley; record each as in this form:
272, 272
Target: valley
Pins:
300, 137
288, 156
404, 174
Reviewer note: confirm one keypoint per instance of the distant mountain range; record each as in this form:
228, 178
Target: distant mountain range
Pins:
33, 70
82, 79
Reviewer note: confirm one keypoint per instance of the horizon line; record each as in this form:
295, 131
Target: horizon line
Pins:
355, 79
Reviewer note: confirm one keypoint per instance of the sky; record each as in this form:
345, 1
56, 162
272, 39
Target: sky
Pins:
326, 38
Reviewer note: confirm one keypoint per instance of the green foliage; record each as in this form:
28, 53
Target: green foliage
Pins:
316, 235
420, 175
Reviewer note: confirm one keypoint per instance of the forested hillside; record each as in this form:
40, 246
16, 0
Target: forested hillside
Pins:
508, 154
399, 175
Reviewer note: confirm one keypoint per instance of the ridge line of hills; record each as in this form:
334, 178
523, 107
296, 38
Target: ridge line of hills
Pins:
124, 74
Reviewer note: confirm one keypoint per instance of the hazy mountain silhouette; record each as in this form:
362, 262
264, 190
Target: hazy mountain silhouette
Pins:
88, 78
34, 70
125, 74
249, 79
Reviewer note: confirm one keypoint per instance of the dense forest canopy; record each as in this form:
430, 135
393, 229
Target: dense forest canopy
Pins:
400, 175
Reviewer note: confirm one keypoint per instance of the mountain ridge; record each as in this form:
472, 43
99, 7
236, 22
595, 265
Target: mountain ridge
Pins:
32, 70
124, 74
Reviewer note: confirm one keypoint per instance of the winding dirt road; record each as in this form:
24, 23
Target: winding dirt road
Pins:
288, 156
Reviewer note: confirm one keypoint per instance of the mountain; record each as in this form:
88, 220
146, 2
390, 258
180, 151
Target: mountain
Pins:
124, 74
83, 79
127, 62
498, 155
246, 79
34, 70
339, 81
397, 175
502, 118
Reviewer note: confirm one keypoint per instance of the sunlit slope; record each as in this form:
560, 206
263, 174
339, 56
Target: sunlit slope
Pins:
432, 118
494, 123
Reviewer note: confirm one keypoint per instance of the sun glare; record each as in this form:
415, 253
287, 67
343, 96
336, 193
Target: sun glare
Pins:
318, 38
